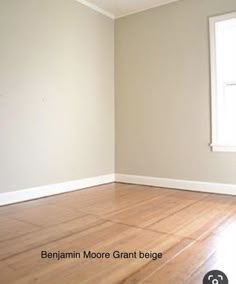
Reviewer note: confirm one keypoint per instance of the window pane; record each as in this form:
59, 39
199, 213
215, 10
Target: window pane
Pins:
226, 81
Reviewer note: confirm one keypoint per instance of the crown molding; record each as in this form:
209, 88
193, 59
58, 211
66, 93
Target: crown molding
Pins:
161, 3
96, 8
111, 16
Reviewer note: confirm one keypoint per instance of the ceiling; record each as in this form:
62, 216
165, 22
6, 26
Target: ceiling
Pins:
120, 8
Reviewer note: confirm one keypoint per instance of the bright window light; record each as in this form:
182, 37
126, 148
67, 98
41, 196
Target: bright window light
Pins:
223, 63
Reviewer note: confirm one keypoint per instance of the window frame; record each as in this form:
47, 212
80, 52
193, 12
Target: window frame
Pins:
215, 146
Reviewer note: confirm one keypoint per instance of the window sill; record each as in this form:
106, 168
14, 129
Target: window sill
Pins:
223, 148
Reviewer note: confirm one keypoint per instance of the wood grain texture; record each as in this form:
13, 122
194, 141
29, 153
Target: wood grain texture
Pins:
194, 231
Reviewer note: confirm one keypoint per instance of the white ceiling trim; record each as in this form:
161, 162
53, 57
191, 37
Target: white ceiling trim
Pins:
110, 15
162, 3
96, 8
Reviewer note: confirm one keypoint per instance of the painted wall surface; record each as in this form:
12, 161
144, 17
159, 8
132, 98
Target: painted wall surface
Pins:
56, 93
163, 118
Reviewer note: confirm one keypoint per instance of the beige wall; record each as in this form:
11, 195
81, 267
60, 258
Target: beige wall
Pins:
163, 93
56, 93
57, 99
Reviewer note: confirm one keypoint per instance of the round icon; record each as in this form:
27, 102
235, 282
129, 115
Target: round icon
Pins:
215, 277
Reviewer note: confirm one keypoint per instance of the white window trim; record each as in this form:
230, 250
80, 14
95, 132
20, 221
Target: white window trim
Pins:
214, 145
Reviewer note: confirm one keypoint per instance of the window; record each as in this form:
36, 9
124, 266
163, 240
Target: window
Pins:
223, 74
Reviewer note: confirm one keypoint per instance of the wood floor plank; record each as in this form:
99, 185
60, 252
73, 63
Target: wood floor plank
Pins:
46, 215
7, 274
180, 269
194, 231
11, 228
152, 266
106, 202
228, 227
43, 236
193, 221
109, 237
222, 259
151, 211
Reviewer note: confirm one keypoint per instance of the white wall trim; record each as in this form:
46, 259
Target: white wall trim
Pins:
223, 148
52, 189
161, 3
7, 198
96, 8
112, 16
219, 188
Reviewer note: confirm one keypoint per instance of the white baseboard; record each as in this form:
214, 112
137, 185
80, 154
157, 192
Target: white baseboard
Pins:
48, 190
219, 188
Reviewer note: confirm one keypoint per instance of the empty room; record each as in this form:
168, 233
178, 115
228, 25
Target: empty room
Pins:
117, 141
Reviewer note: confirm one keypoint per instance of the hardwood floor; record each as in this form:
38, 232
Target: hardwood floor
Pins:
195, 232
